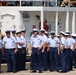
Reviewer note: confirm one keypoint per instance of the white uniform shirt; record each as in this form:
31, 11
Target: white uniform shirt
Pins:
63, 42
19, 39
0, 44
53, 42
60, 44
23, 40
14, 37
71, 42
9, 43
44, 39
36, 41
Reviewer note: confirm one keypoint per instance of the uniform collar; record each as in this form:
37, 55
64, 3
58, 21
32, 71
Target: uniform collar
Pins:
35, 36
8, 37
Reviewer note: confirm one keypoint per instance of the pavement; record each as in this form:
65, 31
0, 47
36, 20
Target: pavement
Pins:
28, 72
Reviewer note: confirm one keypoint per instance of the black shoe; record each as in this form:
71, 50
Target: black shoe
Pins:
26, 69
0, 72
14, 71
33, 72
57, 70
44, 69
40, 71
62, 71
51, 70
9, 71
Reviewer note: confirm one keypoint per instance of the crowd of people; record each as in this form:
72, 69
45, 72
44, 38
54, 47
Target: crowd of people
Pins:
56, 53
48, 51
14, 48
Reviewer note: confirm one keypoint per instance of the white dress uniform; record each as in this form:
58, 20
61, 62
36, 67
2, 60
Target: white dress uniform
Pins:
63, 53
44, 39
63, 42
70, 43
20, 54
36, 54
36, 41
19, 39
53, 53
23, 40
24, 50
53, 42
9, 43
44, 54
14, 37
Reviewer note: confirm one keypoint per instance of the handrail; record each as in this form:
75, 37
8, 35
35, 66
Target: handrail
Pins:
43, 3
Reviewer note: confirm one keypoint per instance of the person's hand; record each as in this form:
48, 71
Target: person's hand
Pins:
73, 49
43, 51
48, 49
30, 51
58, 52
21, 43
15, 51
27, 48
39, 48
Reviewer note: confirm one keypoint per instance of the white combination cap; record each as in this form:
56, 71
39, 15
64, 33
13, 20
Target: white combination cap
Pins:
52, 32
42, 30
61, 32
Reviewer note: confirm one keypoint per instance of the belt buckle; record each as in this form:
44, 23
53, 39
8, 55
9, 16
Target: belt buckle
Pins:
8, 49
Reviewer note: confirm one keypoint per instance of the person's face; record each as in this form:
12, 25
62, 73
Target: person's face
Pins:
66, 37
23, 33
42, 33
35, 33
13, 34
52, 35
60, 35
59, 38
8, 34
16, 34
19, 34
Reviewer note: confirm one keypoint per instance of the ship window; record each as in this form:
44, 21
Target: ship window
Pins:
26, 15
31, 3
10, 3
26, 3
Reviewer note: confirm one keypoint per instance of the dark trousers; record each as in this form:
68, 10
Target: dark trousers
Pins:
16, 58
68, 59
48, 64
45, 59
74, 55
31, 63
19, 59
53, 57
71, 59
36, 58
0, 58
10, 56
24, 58
59, 61
63, 60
